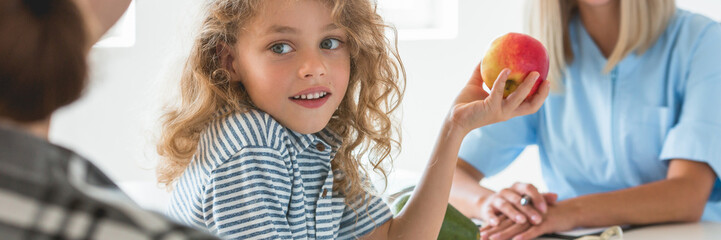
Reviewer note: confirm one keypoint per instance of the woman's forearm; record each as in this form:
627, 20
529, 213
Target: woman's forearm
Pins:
679, 198
422, 216
466, 194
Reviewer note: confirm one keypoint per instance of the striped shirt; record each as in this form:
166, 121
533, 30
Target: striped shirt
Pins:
49, 192
252, 178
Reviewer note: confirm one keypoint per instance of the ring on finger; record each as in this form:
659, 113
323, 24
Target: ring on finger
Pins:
525, 200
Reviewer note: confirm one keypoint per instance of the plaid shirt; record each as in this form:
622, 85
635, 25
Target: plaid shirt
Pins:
48, 192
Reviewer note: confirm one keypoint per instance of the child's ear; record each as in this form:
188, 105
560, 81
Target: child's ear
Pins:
227, 58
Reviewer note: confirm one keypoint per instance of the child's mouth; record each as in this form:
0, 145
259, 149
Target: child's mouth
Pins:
310, 96
313, 100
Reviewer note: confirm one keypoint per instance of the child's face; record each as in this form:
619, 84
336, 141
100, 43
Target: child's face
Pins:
293, 63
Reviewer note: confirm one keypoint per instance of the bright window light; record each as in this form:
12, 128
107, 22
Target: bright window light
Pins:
421, 19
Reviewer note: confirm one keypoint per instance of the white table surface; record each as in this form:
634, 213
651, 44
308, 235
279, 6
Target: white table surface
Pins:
148, 195
679, 231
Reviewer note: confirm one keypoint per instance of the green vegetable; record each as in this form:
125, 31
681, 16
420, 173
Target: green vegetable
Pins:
455, 224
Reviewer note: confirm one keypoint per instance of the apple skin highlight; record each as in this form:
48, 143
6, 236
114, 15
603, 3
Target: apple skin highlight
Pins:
520, 53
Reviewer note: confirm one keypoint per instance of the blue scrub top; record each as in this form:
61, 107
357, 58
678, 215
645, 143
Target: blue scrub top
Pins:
610, 131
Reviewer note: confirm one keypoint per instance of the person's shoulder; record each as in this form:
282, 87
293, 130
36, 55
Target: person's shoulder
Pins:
686, 34
249, 127
232, 131
41, 175
691, 19
31, 157
690, 26
17, 141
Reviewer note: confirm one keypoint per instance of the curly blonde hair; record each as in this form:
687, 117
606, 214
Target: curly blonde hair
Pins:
363, 119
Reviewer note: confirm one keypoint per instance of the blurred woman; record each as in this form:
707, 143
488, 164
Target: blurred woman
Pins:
630, 135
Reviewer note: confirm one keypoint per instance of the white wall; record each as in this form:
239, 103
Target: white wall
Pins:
114, 124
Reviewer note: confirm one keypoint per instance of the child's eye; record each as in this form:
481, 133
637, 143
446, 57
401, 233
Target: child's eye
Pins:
330, 43
281, 48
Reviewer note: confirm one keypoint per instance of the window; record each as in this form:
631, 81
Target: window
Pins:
421, 19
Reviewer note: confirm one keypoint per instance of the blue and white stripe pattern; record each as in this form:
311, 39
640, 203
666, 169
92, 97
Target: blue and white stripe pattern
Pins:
252, 178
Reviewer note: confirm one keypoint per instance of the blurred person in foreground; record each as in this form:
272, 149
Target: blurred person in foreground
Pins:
46, 191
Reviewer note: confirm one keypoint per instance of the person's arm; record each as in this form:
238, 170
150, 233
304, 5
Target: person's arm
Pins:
466, 194
476, 201
423, 215
681, 197
486, 151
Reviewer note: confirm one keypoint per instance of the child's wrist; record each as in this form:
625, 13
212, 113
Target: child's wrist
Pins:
451, 128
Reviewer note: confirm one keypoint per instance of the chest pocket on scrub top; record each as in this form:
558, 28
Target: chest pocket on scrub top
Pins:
644, 131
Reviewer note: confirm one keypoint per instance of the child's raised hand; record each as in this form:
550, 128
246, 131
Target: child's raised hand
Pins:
474, 107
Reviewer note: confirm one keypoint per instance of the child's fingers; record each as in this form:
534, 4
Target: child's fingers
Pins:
537, 99
517, 97
540, 96
499, 85
476, 78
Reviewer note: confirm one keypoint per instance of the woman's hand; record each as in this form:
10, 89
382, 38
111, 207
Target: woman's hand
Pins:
475, 108
507, 203
558, 218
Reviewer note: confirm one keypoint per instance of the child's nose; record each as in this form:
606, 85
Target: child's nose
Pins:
312, 66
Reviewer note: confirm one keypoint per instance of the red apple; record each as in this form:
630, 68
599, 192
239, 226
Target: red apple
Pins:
520, 53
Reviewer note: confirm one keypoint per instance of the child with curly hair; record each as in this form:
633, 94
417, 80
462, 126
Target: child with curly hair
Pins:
284, 103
